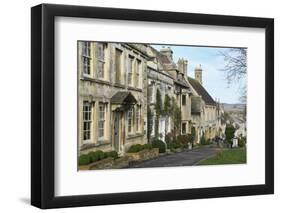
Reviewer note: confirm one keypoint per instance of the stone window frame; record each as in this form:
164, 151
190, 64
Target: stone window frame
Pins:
183, 128
86, 58
121, 81
183, 100
87, 113
138, 73
100, 56
130, 120
101, 120
138, 118
131, 70
151, 96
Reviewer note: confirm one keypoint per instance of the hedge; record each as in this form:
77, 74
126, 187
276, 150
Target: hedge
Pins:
139, 147
160, 145
96, 156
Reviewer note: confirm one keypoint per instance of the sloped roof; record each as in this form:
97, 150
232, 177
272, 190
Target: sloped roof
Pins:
181, 82
166, 62
123, 98
201, 91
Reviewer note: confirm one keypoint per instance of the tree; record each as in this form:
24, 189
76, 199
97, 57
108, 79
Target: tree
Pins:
235, 68
229, 133
235, 63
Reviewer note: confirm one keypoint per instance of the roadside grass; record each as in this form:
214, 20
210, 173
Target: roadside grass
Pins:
230, 156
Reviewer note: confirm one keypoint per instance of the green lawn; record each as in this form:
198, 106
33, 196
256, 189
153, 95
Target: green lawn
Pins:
231, 156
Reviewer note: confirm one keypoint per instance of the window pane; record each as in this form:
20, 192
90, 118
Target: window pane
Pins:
86, 120
130, 120
100, 52
130, 71
100, 70
118, 54
101, 122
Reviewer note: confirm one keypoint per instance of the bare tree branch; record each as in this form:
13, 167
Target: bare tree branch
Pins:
235, 67
235, 63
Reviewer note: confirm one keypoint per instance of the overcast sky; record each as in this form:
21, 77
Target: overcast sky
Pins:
212, 63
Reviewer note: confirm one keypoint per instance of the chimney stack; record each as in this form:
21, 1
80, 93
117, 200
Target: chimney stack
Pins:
182, 66
198, 74
167, 51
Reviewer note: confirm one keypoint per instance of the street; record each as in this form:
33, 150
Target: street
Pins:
186, 158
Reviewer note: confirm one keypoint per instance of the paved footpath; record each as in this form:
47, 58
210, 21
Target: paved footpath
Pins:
186, 158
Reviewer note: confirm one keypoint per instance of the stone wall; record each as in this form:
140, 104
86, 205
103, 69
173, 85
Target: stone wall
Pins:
144, 154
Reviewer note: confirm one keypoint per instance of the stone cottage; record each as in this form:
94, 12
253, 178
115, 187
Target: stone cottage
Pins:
159, 81
181, 90
205, 114
112, 108
118, 84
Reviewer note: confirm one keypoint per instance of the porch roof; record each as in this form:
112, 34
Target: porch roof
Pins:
123, 97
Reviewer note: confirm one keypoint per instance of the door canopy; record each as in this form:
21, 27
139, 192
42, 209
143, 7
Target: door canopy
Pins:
123, 100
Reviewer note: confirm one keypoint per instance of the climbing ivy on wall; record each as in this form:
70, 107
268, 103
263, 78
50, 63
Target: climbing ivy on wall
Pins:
158, 111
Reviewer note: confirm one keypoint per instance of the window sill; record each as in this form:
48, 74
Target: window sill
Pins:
100, 81
119, 85
136, 135
86, 146
135, 89
102, 141
86, 142
86, 56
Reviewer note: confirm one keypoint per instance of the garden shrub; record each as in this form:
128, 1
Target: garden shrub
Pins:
175, 145
242, 142
160, 145
112, 154
92, 157
84, 159
147, 146
183, 140
139, 147
169, 138
101, 154
203, 140
135, 148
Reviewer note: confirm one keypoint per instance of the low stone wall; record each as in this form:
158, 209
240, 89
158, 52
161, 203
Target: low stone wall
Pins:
102, 164
122, 162
144, 154
108, 163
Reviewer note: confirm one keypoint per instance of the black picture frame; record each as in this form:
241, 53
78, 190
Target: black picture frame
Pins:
43, 105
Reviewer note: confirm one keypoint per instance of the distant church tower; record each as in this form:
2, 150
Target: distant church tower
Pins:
198, 73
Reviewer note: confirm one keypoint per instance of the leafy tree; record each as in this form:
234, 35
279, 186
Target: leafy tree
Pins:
229, 133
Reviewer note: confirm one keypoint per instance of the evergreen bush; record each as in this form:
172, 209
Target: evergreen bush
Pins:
242, 142
160, 145
84, 159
